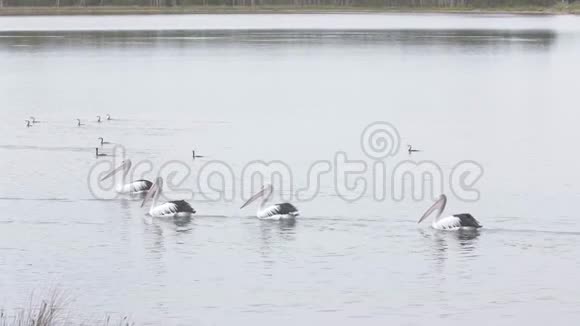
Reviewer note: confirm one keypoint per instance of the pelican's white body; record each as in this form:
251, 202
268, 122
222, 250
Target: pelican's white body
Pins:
450, 223
271, 213
166, 210
135, 187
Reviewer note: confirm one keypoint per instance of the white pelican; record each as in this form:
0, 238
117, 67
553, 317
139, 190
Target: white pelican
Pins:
134, 187
273, 212
453, 222
411, 149
99, 154
175, 208
28, 125
103, 142
79, 123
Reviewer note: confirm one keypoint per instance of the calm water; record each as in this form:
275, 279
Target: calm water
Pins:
498, 90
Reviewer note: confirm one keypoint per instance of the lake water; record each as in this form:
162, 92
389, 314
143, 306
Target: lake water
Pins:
498, 90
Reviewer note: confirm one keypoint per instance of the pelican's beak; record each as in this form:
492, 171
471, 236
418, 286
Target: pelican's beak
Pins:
254, 197
115, 170
150, 193
438, 206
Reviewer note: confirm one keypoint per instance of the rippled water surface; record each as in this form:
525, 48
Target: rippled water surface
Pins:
497, 90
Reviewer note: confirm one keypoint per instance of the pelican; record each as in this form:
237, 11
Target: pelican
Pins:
79, 123
195, 156
273, 212
109, 117
411, 149
134, 187
453, 222
28, 124
99, 119
103, 142
99, 154
175, 209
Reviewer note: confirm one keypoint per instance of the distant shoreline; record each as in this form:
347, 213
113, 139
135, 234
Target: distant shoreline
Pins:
138, 10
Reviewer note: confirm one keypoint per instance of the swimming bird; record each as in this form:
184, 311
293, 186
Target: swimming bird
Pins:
273, 212
411, 149
99, 154
33, 120
79, 123
195, 156
99, 119
132, 187
453, 222
103, 142
109, 117
175, 208
28, 125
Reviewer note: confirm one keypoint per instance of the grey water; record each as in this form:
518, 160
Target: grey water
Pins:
498, 90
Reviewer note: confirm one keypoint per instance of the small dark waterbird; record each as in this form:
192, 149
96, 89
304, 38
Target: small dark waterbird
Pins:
411, 149
109, 117
99, 154
195, 156
33, 120
99, 119
103, 142
79, 123
28, 124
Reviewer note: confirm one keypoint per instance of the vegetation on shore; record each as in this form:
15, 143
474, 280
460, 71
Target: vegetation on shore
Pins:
108, 7
51, 312
266, 9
